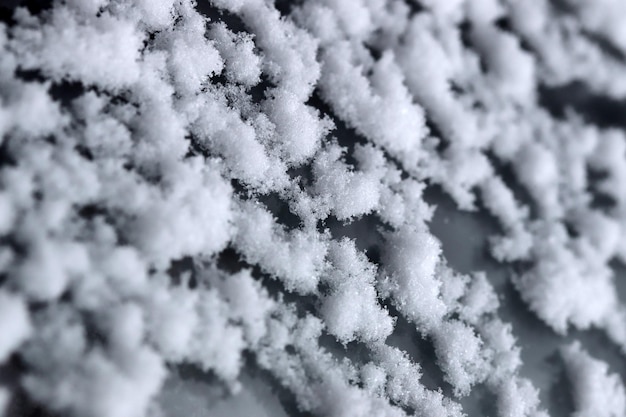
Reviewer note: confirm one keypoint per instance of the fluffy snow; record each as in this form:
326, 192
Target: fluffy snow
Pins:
14, 322
236, 185
351, 310
62, 46
241, 64
412, 258
596, 391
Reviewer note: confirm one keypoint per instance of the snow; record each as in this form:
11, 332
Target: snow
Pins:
288, 51
251, 185
348, 193
566, 288
234, 140
99, 389
351, 310
197, 186
595, 391
513, 68
537, 170
460, 356
241, 63
223, 358
429, 71
299, 129
412, 257
156, 16
249, 303
191, 58
380, 110
31, 110
63, 48
15, 324
479, 299
172, 322
295, 258
519, 399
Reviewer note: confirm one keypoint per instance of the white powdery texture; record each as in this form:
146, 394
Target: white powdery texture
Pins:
237, 185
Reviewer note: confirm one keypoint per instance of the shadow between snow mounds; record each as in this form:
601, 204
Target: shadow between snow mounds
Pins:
191, 392
559, 395
420, 350
596, 109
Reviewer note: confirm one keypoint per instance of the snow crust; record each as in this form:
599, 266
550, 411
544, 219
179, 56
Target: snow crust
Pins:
171, 172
